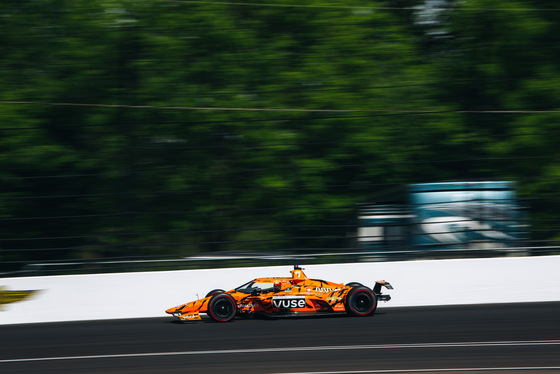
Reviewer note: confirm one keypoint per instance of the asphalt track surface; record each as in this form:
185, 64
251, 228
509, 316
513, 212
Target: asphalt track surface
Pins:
501, 338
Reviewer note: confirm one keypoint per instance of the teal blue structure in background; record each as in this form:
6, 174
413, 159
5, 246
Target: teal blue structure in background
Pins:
446, 215
465, 215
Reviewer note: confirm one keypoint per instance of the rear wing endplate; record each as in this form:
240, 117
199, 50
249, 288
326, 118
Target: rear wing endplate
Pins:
377, 290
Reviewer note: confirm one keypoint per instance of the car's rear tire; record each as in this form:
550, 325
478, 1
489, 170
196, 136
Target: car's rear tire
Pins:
360, 301
222, 307
214, 292
354, 284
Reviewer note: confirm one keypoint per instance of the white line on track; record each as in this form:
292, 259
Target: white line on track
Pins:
295, 349
432, 370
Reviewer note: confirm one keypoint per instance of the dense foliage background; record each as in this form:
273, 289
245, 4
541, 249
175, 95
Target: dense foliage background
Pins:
163, 128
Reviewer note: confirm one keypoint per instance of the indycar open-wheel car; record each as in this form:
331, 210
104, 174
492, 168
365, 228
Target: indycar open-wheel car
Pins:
285, 296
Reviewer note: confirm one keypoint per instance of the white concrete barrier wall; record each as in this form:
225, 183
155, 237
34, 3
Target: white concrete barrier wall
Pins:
417, 283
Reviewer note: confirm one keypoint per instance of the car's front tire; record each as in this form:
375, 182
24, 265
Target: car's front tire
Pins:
222, 307
360, 301
214, 292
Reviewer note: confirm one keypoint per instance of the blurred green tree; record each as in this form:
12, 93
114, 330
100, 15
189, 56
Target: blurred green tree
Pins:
301, 113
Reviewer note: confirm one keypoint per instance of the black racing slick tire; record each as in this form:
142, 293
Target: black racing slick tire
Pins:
214, 292
354, 284
222, 307
361, 302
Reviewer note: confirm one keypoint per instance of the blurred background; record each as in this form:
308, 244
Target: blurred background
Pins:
157, 135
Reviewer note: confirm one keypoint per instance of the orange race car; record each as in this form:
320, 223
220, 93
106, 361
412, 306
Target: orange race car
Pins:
284, 296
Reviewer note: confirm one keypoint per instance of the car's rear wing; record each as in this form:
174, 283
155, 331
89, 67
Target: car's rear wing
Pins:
377, 290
